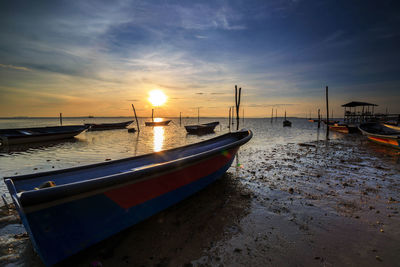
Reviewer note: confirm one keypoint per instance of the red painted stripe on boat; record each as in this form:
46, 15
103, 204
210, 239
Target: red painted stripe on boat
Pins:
137, 193
382, 140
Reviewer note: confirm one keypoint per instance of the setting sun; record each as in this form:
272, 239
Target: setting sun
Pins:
157, 98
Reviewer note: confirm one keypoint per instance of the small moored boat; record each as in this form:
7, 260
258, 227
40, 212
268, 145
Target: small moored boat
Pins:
157, 123
66, 211
201, 128
108, 126
343, 128
38, 134
381, 134
287, 123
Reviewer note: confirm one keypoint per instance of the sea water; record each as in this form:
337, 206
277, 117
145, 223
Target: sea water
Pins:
99, 146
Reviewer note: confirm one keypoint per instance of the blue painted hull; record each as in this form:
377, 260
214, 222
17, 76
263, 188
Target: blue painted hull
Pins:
61, 227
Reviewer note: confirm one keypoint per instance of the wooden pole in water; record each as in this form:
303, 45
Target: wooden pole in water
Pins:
198, 115
152, 114
276, 114
61, 119
137, 122
272, 115
327, 114
237, 102
180, 118
233, 115
319, 119
229, 119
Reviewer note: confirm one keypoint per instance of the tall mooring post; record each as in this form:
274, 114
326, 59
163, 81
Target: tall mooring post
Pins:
319, 119
137, 122
272, 115
238, 94
327, 114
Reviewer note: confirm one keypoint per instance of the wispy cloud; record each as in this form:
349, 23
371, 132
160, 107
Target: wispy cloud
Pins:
14, 67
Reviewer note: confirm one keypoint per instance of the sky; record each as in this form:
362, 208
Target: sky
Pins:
98, 57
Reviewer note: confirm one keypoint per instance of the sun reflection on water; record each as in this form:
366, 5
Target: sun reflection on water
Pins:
158, 138
157, 119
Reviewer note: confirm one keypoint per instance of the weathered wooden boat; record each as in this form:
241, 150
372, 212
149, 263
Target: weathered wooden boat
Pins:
107, 126
343, 128
157, 123
381, 134
66, 211
38, 134
201, 128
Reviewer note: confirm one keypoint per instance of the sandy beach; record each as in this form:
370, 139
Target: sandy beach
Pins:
320, 203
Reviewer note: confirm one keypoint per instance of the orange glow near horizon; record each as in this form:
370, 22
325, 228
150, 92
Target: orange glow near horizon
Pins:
157, 98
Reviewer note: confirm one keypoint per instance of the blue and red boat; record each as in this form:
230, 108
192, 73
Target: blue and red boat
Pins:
66, 211
381, 134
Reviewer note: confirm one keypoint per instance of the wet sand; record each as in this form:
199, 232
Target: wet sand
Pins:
322, 203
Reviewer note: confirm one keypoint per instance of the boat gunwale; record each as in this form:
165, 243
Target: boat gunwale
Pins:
389, 136
80, 127
37, 197
111, 124
203, 125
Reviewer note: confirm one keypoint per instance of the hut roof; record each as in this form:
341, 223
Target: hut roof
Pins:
358, 104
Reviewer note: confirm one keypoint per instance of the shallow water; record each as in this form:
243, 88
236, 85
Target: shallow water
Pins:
98, 146
285, 204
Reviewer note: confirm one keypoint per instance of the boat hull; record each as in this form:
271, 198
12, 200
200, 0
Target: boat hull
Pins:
83, 219
385, 141
33, 136
287, 124
201, 128
108, 126
381, 134
394, 127
157, 123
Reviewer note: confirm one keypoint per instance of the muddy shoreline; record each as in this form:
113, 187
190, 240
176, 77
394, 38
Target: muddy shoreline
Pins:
321, 203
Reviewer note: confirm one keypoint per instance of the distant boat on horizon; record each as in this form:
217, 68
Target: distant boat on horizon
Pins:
287, 123
156, 123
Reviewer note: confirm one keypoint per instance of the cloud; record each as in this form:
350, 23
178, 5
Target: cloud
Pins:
14, 67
